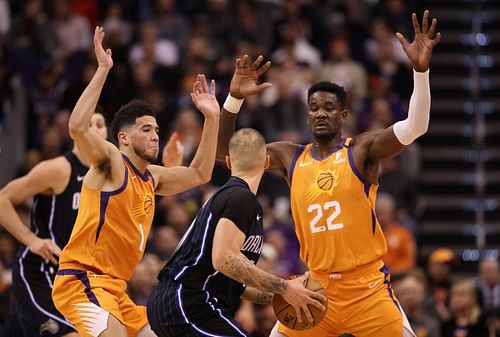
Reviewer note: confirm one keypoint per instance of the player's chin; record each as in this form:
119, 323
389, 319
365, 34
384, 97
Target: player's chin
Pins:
151, 155
323, 134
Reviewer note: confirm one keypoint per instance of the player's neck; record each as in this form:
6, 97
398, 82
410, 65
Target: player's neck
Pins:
140, 163
253, 180
324, 148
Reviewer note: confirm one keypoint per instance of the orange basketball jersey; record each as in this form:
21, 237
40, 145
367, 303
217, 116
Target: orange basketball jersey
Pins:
333, 207
111, 228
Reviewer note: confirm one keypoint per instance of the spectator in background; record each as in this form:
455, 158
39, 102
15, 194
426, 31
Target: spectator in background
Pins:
144, 279
488, 285
394, 181
154, 49
165, 239
340, 68
410, 291
172, 26
401, 246
465, 313
439, 271
72, 30
381, 34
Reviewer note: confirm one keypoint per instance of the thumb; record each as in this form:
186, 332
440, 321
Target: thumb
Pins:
108, 51
263, 86
402, 40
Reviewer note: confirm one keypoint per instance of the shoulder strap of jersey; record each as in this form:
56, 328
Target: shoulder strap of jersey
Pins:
348, 142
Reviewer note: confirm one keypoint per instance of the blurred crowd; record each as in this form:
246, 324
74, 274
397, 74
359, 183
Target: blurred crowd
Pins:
158, 48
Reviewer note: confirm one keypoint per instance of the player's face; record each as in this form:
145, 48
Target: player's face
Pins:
326, 115
145, 138
98, 123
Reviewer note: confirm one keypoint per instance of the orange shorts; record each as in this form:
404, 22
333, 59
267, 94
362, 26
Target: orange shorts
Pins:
360, 302
87, 299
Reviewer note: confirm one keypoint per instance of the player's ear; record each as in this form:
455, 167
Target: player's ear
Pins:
344, 114
123, 138
228, 162
268, 162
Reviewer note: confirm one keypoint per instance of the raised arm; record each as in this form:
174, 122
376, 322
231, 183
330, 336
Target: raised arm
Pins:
228, 259
177, 179
93, 148
391, 141
243, 84
47, 177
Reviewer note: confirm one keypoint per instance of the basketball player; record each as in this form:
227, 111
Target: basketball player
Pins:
117, 206
333, 184
55, 185
214, 264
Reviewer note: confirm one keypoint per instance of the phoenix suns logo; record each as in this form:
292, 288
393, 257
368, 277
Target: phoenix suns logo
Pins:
148, 203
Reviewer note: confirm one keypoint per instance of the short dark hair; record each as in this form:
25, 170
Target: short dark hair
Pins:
333, 88
128, 113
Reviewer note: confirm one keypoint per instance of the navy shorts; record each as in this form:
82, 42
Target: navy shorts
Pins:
32, 305
174, 310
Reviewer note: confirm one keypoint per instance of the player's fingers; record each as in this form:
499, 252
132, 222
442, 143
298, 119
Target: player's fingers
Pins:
264, 68
212, 87
204, 83
307, 313
299, 314
402, 39
437, 39
245, 61
55, 249
263, 86
238, 63
432, 30
416, 27
53, 259
317, 304
425, 21
257, 62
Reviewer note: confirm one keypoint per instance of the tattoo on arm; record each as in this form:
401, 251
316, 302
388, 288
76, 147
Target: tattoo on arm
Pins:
239, 268
264, 298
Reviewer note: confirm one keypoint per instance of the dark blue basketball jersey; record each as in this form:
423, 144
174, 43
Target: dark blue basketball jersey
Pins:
191, 264
53, 216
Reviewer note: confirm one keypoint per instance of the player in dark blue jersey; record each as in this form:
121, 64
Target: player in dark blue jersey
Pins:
214, 263
55, 186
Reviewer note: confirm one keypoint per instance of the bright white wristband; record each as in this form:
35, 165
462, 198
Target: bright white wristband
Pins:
233, 105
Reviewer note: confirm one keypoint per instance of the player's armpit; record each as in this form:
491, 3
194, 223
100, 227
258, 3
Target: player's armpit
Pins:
281, 154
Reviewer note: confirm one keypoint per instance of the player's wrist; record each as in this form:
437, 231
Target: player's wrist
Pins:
233, 104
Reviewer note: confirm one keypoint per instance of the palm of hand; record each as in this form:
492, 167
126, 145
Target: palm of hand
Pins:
208, 104
244, 83
419, 52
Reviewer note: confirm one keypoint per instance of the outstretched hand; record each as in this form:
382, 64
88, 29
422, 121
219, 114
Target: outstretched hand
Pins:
204, 99
103, 57
246, 75
173, 151
419, 51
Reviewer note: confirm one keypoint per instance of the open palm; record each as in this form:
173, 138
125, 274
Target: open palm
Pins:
419, 51
204, 99
104, 57
246, 76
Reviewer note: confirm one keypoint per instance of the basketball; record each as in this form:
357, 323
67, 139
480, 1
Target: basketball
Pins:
287, 315
325, 181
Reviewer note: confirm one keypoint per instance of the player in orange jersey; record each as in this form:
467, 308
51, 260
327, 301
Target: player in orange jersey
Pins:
117, 206
333, 184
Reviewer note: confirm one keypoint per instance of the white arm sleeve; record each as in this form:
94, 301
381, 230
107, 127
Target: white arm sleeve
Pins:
417, 122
